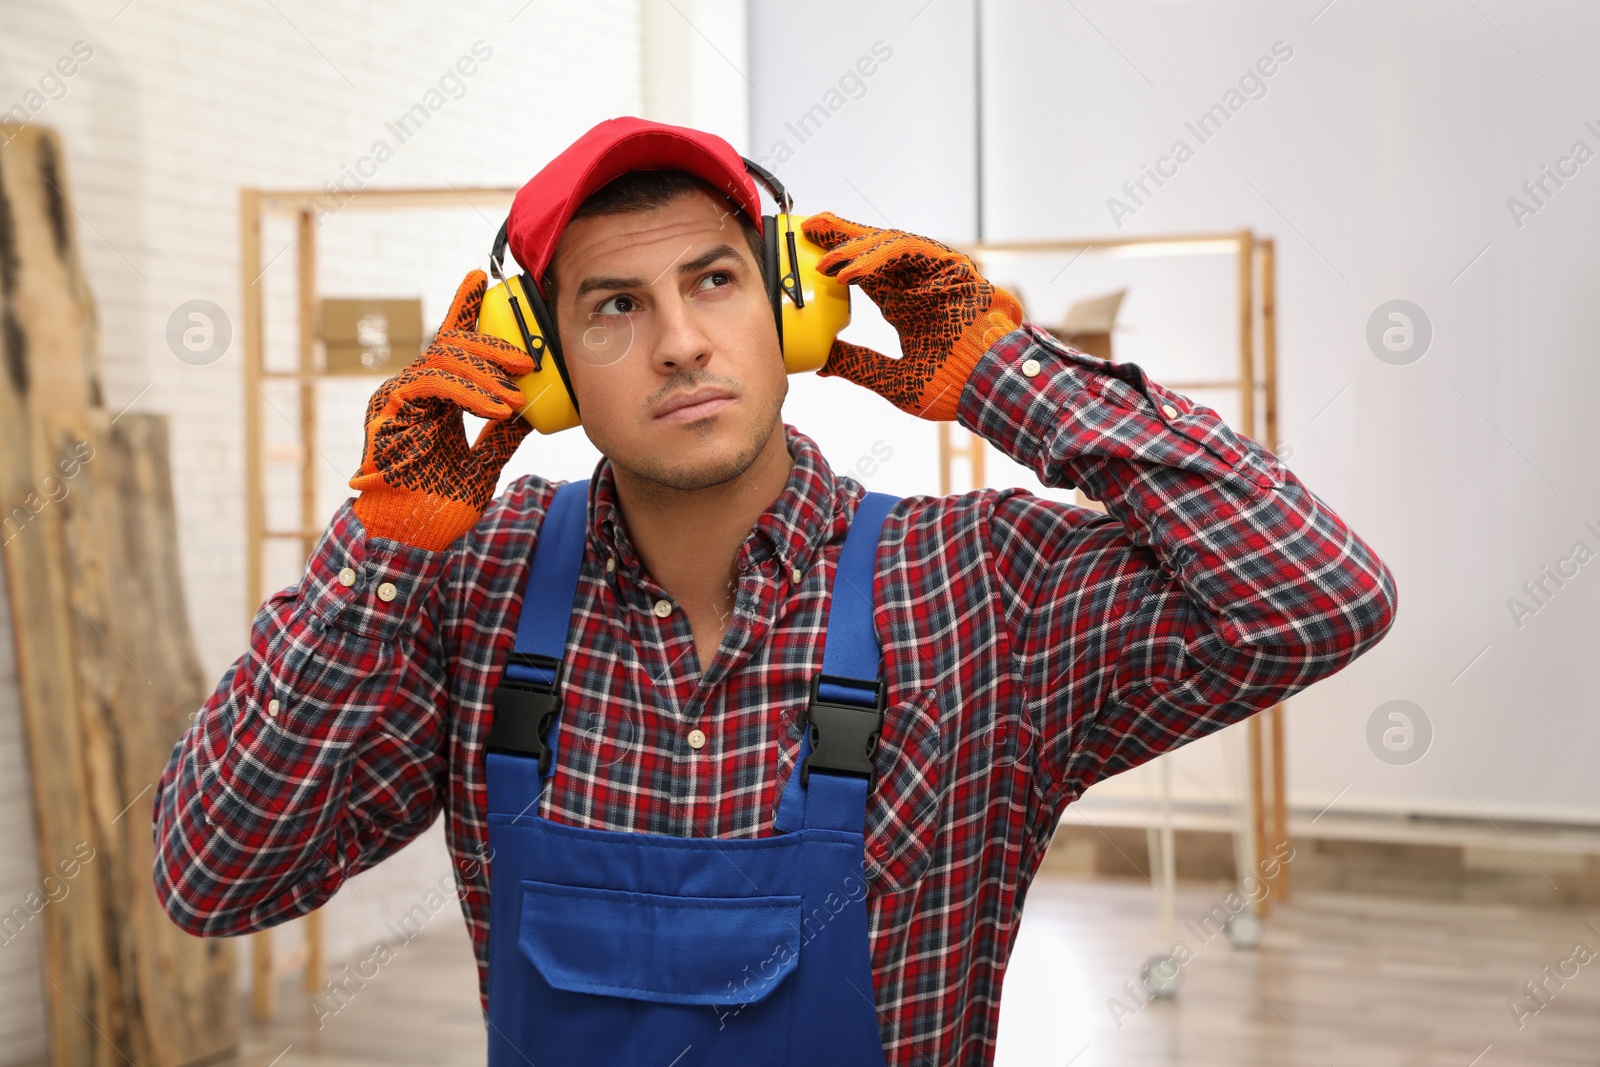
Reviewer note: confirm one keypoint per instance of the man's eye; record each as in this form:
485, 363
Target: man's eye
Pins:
720, 274
601, 310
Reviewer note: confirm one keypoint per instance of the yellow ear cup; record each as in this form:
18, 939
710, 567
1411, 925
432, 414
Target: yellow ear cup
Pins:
808, 332
549, 407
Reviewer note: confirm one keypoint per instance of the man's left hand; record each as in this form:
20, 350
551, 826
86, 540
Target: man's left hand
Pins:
946, 313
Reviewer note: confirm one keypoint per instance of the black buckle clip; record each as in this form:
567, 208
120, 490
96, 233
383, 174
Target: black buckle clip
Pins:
532, 342
843, 736
523, 712
791, 278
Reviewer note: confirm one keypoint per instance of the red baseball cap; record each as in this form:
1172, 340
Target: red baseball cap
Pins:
611, 149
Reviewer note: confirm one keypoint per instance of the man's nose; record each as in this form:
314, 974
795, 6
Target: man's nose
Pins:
680, 340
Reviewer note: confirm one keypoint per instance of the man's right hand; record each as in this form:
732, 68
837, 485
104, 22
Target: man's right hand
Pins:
420, 483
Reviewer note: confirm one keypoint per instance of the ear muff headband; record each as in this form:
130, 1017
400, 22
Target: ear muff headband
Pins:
789, 282
769, 272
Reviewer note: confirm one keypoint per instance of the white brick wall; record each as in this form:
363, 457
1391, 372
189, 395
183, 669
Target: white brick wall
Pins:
174, 114
180, 107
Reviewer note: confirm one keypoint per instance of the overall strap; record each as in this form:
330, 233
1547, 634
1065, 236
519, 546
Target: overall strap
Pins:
525, 701
844, 715
843, 718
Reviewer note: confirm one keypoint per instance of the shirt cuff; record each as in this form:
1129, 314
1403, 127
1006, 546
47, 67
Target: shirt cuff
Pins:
372, 586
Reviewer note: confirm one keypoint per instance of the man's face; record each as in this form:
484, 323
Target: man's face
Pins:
657, 305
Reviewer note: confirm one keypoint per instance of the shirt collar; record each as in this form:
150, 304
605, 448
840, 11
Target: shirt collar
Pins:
806, 515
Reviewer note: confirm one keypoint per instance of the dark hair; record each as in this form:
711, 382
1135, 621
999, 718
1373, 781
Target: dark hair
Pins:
646, 190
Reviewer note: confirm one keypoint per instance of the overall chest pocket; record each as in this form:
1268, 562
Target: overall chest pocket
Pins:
659, 948
904, 808
611, 977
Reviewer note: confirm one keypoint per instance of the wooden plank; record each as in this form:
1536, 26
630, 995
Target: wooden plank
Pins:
23, 1022
1268, 269
1068, 244
251, 300
1247, 332
312, 200
306, 298
46, 310
185, 985
306, 286
106, 669
1269, 339
1256, 810
1280, 806
140, 680
1245, 280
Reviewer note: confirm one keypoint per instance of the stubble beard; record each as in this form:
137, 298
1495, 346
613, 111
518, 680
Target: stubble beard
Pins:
656, 476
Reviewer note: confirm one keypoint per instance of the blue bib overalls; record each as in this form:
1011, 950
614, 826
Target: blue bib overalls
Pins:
609, 947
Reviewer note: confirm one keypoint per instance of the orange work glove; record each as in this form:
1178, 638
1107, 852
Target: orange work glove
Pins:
420, 484
946, 313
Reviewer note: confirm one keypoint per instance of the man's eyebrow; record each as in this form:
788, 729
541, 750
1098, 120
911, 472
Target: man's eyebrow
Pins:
700, 262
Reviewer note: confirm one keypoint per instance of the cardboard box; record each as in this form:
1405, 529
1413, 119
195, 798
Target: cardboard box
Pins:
1089, 324
371, 335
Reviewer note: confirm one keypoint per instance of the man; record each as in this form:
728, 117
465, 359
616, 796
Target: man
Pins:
1030, 648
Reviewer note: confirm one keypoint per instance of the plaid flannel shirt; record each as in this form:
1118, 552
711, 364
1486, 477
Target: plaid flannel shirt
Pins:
1031, 648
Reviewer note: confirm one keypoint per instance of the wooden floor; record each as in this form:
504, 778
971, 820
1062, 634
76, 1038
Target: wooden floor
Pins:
1340, 980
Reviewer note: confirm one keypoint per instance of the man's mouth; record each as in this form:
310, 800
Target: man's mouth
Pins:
697, 404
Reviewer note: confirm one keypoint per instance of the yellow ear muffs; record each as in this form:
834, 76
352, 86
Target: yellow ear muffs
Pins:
510, 315
809, 325
810, 308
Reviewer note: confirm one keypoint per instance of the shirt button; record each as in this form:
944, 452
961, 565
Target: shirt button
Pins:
1169, 411
697, 739
387, 592
273, 706
663, 608
347, 577
794, 573
1030, 367
611, 564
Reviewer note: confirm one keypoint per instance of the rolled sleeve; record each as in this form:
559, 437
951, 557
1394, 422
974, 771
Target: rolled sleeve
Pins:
1061, 412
